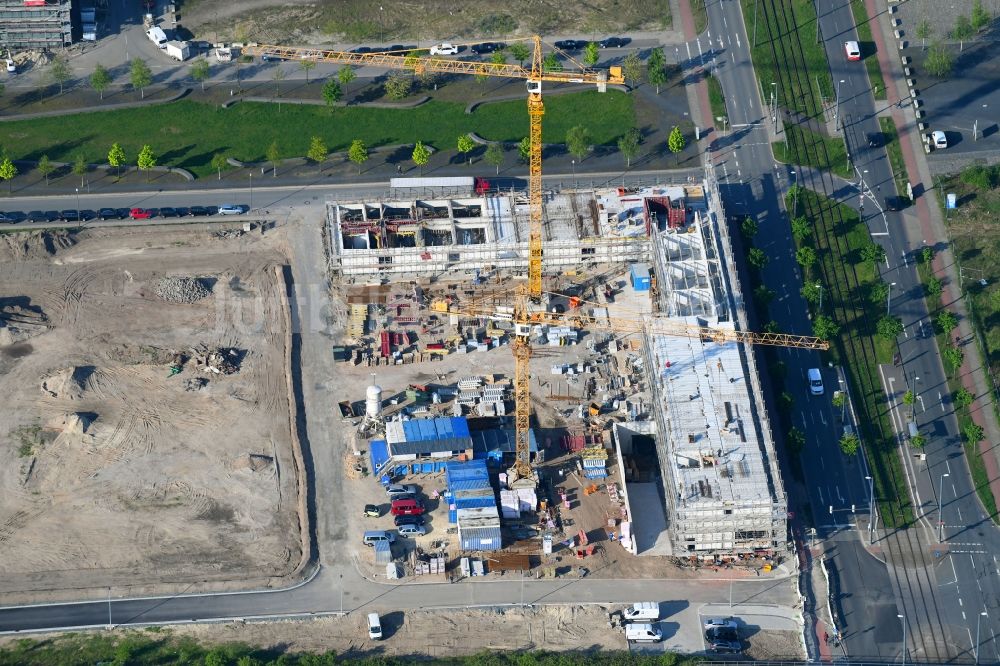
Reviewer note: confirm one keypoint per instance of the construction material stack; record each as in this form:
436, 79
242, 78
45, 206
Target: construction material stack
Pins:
595, 462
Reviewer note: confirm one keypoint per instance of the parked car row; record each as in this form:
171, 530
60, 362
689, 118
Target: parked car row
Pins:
407, 513
85, 214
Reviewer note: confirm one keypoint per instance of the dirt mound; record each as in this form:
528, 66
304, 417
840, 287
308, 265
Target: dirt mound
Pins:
181, 289
18, 323
73, 423
254, 462
34, 244
67, 384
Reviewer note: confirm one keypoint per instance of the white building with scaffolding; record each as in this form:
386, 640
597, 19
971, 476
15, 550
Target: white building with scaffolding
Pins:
722, 485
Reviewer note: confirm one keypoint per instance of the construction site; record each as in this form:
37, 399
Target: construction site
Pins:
35, 24
648, 442
149, 430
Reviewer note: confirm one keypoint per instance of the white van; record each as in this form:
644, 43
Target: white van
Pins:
374, 627
373, 536
642, 610
642, 633
815, 379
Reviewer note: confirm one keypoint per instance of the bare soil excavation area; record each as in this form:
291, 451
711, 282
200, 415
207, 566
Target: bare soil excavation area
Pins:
146, 439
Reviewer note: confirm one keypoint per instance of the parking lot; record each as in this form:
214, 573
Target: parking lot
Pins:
137, 213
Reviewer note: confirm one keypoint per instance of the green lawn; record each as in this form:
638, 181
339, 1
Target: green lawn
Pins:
718, 102
700, 15
846, 300
186, 134
895, 152
868, 48
802, 96
801, 146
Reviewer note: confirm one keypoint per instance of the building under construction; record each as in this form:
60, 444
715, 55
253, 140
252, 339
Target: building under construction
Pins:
35, 24
721, 480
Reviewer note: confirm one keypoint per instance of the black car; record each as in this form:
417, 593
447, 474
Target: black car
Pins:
714, 634
168, 212
408, 520
87, 214
874, 139
51, 216
15, 216
267, 57
4, 217
182, 212
122, 213
211, 210
35, 216
72, 215
488, 47
896, 203
614, 42
198, 211
570, 44
362, 49
108, 214
400, 47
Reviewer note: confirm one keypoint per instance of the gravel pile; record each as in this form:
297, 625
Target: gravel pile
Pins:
181, 289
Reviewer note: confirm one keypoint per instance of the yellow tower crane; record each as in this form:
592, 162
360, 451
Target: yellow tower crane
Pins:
534, 77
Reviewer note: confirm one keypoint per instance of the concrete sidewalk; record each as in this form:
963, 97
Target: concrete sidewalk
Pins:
932, 227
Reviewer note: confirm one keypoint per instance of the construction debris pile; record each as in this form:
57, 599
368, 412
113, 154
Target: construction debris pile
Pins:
181, 289
219, 361
19, 323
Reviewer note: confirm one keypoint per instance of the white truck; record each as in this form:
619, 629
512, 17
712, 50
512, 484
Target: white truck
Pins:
178, 50
645, 611
223, 54
157, 36
642, 633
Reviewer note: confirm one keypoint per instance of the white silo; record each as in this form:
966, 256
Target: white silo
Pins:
373, 401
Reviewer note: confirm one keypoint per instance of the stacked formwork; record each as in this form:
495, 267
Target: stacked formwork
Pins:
357, 321
35, 24
595, 462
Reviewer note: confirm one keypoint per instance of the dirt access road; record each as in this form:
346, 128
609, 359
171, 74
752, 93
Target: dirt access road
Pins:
113, 473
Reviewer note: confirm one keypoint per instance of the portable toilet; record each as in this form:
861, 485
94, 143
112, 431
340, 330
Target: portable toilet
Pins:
640, 278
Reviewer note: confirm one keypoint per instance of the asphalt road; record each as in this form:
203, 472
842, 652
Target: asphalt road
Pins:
753, 184
940, 596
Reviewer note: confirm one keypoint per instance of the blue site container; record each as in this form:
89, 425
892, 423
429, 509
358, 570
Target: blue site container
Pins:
639, 277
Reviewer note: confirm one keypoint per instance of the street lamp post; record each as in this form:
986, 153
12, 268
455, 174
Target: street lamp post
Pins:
871, 507
251, 191
940, 503
819, 285
978, 618
888, 297
78, 205
904, 637
836, 110
774, 104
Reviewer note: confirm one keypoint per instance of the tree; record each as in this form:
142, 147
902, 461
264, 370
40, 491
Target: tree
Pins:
805, 256
763, 295
796, 440
873, 253
277, 75
552, 63
146, 160
946, 321
80, 167
519, 52
757, 258
889, 327
749, 227
318, 152
578, 141
909, 398
927, 255
219, 162
824, 327
59, 72
466, 145
140, 75
849, 444
306, 65
498, 57
953, 357
628, 145
980, 17
801, 229
963, 398
918, 441
7, 172
494, 155
116, 157
200, 71
421, 155
100, 79
923, 32
274, 157
839, 399
675, 142
973, 433
332, 92
878, 292
632, 68
524, 149
812, 292
45, 167
397, 86
591, 54
934, 287
939, 61
358, 153
345, 75
962, 30
656, 69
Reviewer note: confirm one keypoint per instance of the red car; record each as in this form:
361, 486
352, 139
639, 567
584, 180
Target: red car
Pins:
140, 214
407, 507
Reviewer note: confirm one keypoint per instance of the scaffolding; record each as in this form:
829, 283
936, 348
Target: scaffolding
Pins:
724, 494
35, 24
